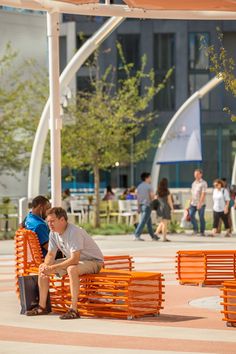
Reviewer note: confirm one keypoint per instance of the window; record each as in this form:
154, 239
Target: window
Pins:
198, 64
63, 52
84, 84
130, 44
164, 59
80, 40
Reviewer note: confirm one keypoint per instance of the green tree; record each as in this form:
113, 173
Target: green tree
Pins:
23, 92
100, 124
222, 65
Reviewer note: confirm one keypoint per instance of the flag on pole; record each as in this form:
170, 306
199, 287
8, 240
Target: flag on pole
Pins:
182, 141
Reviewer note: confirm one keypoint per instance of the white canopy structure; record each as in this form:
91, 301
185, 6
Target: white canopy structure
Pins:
142, 9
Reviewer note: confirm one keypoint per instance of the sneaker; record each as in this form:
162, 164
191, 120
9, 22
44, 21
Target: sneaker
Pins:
155, 238
202, 234
194, 233
138, 239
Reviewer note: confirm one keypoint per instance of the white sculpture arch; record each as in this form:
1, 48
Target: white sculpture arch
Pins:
67, 75
186, 105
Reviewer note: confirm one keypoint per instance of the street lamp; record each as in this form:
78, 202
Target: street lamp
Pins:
117, 164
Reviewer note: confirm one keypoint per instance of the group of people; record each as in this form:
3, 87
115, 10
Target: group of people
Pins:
128, 194
222, 203
79, 254
162, 202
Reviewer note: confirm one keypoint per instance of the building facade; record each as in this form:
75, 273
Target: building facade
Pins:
169, 44
166, 44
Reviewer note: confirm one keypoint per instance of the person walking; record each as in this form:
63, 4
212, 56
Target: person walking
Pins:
145, 195
82, 256
165, 207
221, 199
197, 203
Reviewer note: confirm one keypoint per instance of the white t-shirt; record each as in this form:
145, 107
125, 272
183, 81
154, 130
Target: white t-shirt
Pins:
220, 197
75, 239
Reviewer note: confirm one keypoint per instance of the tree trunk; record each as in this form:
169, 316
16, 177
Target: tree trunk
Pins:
97, 196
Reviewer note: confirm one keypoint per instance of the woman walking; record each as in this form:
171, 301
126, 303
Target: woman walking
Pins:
221, 201
166, 206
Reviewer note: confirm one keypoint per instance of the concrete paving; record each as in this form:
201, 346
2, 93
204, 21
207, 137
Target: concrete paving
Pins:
190, 322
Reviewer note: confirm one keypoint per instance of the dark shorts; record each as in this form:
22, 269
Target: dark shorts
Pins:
217, 216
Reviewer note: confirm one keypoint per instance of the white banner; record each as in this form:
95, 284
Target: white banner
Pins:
182, 142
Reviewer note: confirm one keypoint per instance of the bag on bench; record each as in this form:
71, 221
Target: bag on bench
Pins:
29, 293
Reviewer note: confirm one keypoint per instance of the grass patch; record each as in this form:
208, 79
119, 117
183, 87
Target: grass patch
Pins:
109, 229
9, 235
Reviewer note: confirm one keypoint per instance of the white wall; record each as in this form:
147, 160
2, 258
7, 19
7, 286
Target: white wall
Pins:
28, 35
26, 32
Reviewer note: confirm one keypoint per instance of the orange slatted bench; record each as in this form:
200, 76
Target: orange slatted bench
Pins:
205, 267
117, 291
229, 302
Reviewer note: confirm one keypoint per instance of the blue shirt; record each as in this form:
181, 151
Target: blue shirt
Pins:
38, 225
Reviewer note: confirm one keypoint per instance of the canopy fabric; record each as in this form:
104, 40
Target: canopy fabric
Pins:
81, 2
204, 5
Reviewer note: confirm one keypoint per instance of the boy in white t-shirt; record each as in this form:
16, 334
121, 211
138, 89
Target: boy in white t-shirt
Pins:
221, 200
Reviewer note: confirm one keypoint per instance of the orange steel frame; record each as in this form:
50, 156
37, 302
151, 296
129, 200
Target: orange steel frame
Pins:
205, 267
228, 297
117, 291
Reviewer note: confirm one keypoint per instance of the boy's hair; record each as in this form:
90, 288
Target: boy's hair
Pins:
145, 175
59, 212
39, 200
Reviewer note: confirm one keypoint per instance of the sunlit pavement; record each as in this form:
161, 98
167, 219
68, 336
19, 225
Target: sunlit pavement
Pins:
191, 321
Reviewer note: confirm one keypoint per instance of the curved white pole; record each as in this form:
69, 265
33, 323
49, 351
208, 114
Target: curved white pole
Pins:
67, 75
197, 95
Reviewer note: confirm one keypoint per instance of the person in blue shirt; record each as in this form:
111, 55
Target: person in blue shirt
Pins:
35, 221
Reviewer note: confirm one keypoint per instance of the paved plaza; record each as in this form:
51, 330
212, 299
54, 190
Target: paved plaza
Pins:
190, 322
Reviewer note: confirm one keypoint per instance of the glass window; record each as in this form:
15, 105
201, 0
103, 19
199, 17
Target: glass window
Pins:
197, 57
130, 44
164, 59
80, 40
63, 53
198, 64
84, 84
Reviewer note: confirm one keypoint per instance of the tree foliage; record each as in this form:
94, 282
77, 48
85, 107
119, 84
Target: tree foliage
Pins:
23, 91
222, 65
100, 124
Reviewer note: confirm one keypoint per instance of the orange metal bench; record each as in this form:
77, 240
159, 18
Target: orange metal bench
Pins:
205, 267
229, 302
117, 291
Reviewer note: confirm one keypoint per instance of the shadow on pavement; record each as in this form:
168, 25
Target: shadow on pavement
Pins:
165, 318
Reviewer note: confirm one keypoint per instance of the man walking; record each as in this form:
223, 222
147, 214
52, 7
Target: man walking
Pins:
145, 195
197, 204
82, 256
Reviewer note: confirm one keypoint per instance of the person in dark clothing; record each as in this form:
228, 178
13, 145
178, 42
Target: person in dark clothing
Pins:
166, 206
35, 221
